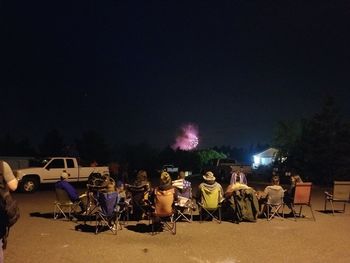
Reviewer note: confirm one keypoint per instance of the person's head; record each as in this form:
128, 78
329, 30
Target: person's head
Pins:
120, 185
64, 175
165, 179
181, 175
141, 175
209, 177
295, 178
275, 180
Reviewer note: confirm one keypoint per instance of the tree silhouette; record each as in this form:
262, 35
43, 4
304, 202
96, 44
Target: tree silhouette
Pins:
52, 144
318, 147
93, 147
326, 145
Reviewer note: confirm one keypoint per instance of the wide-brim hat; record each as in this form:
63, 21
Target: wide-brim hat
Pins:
209, 176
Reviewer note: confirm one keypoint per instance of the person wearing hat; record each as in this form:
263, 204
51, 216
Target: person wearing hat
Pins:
209, 184
71, 191
164, 189
165, 181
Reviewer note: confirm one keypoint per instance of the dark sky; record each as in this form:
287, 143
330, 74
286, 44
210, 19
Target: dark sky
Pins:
137, 70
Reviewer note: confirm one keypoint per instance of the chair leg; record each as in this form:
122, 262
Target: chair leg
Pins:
312, 212
55, 215
293, 211
332, 206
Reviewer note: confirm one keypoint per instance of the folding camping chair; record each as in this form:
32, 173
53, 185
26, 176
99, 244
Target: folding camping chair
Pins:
164, 213
184, 209
210, 203
139, 205
302, 196
108, 213
274, 202
63, 206
341, 194
184, 206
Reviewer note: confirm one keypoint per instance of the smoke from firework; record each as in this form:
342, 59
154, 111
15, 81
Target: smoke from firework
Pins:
187, 139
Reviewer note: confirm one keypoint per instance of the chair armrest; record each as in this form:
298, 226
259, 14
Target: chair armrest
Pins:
328, 194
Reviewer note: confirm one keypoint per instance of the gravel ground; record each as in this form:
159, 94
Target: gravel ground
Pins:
38, 238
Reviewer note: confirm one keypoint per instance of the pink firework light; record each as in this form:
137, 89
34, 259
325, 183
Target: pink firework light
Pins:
187, 139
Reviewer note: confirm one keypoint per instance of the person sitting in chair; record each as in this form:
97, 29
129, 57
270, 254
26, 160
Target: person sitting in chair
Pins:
236, 185
71, 191
165, 185
275, 186
210, 184
183, 186
139, 193
289, 196
163, 199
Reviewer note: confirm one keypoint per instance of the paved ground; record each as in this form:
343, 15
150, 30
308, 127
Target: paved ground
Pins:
38, 238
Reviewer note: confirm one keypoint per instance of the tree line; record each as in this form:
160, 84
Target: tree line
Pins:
92, 146
317, 147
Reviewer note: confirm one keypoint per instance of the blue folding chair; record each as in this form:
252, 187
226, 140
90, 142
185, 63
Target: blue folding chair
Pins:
107, 215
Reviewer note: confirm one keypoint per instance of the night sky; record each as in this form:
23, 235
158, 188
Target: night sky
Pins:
137, 70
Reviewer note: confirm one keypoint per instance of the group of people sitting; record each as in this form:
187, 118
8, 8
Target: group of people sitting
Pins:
240, 201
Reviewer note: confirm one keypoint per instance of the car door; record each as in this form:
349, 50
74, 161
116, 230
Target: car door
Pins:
53, 170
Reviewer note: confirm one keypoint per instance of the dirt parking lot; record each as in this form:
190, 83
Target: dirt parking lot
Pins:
38, 238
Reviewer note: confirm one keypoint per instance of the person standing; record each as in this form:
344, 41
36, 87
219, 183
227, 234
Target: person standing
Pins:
8, 182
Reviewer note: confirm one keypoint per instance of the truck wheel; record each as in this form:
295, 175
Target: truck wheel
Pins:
29, 184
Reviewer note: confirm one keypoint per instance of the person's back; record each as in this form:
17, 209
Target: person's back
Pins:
163, 200
274, 193
186, 189
210, 192
289, 197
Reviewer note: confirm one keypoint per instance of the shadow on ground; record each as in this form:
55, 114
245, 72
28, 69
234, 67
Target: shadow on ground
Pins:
140, 228
42, 215
86, 228
330, 211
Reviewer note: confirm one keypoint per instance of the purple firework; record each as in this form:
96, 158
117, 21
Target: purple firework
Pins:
187, 139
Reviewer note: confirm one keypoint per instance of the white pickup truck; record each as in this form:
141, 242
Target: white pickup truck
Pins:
49, 170
170, 168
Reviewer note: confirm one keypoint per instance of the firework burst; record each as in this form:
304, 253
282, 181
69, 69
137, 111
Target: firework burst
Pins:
187, 139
